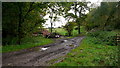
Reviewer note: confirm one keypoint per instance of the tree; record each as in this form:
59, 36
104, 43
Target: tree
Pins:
89, 21
79, 9
79, 14
54, 9
69, 27
104, 17
25, 15
9, 20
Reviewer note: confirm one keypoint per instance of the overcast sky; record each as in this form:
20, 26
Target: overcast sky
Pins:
62, 20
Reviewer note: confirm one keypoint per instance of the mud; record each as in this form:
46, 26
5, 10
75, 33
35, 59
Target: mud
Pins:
37, 57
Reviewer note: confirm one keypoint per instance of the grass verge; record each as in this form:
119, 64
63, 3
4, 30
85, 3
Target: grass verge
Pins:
90, 54
27, 43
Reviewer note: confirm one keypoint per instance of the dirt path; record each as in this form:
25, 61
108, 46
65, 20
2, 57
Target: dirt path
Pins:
39, 56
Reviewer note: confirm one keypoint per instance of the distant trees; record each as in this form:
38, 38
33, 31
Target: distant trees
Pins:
79, 9
69, 27
53, 10
78, 15
70, 24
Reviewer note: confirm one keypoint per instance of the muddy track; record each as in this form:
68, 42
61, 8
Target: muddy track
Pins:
38, 57
48, 54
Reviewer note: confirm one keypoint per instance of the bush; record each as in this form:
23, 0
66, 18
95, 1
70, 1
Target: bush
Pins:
9, 40
104, 37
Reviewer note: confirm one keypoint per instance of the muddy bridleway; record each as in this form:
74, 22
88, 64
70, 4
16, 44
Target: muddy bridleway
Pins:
39, 56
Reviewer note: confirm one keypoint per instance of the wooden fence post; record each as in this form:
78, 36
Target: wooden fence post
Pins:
118, 39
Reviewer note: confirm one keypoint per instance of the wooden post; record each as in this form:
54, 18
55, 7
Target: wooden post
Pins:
118, 39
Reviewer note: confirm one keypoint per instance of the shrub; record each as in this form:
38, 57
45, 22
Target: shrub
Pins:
104, 37
9, 40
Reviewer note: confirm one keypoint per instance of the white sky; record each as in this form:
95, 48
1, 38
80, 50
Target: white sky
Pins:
55, 24
62, 19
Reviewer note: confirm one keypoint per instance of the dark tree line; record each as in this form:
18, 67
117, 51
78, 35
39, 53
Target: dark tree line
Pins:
20, 19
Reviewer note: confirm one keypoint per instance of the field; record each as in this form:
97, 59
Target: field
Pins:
62, 31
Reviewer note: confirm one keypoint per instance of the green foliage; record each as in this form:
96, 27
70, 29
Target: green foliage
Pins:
60, 31
69, 27
53, 10
104, 37
79, 8
78, 16
91, 54
104, 17
70, 15
20, 19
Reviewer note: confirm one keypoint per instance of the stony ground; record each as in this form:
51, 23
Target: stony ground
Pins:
41, 55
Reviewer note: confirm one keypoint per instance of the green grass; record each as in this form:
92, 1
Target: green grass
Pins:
62, 31
90, 54
27, 43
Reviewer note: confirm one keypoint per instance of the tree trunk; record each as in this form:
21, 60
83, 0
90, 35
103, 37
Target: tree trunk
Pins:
19, 24
51, 26
21, 20
79, 29
76, 9
69, 33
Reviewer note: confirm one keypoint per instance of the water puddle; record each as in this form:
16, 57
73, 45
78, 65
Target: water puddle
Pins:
43, 48
40, 48
64, 41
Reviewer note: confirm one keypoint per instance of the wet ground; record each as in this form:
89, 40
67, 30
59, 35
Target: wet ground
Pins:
41, 55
